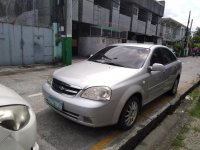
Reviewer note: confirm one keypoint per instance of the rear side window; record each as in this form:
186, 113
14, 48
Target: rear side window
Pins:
167, 56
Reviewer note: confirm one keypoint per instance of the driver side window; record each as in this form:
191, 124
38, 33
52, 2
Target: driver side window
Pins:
156, 57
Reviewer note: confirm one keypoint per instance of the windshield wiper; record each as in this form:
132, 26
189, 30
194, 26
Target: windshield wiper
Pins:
113, 64
102, 61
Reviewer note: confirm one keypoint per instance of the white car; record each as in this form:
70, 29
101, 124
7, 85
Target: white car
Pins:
17, 122
113, 85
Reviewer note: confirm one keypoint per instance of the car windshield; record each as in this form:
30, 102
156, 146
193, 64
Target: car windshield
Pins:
123, 56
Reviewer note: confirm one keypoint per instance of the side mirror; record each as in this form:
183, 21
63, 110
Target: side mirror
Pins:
90, 55
157, 67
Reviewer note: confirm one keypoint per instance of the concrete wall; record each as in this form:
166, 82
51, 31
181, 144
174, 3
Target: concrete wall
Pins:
141, 26
151, 29
158, 29
134, 23
24, 45
124, 22
91, 45
87, 11
75, 5
29, 18
44, 12
115, 18
150, 5
101, 16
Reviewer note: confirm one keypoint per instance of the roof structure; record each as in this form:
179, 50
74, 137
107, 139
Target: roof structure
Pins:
171, 21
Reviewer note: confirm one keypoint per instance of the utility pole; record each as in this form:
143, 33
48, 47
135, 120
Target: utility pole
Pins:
186, 36
67, 38
191, 25
187, 52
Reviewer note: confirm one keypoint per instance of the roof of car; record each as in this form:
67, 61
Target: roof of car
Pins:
135, 44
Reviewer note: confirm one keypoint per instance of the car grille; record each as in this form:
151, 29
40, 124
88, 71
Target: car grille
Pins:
64, 88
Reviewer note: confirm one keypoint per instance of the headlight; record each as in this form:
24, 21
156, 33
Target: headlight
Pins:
50, 79
14, 117
97, 93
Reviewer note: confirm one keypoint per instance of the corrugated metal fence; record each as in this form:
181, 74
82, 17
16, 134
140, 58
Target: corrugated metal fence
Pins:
24, 45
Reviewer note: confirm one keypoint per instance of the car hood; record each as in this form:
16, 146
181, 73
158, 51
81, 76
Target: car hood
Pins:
88, 73
10, 97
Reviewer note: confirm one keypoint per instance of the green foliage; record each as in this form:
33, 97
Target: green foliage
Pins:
196, 38
197, 45
179, 140
197, 32
196, 129
178, 47
195, 112
195, 93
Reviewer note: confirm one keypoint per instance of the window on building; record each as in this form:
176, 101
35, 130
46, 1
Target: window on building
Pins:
106, 33
135, 11
125, 9
84, 29
142, 15
95, 31
103, 3
115, 3
154, 20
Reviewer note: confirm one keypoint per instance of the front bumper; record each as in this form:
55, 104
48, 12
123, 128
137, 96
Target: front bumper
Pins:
87, 112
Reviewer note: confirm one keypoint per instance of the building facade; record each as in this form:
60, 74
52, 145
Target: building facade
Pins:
171, 31
96, 23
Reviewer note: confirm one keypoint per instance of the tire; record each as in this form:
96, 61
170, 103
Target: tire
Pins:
173, 91
129, 114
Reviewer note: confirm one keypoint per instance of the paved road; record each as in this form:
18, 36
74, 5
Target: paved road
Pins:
57, 133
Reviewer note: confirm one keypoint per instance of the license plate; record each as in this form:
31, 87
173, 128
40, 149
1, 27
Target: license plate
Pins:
55, 103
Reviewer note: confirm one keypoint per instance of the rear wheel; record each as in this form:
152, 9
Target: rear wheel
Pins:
129, 114
173, 91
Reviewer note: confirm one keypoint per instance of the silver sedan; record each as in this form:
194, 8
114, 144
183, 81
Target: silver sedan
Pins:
17, 122
112, 85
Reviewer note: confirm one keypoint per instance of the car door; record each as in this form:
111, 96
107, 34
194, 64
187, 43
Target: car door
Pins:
169, 61
156, 78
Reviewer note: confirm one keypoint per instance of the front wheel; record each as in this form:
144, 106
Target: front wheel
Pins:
129, 114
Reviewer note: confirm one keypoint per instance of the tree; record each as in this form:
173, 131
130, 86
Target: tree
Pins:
196, 36
178, 47
197, 32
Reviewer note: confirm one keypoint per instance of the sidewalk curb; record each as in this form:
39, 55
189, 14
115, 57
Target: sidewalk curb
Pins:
10, 70
23, 69
130, 140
